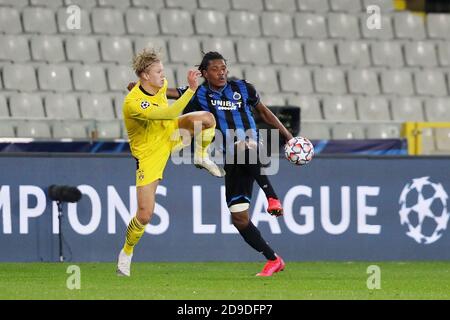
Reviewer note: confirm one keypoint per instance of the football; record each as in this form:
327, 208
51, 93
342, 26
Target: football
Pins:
299, 150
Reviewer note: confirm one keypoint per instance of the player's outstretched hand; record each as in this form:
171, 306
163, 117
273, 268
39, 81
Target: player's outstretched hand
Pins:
192, 78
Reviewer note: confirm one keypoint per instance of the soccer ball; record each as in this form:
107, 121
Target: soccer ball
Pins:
424, 210
299, 151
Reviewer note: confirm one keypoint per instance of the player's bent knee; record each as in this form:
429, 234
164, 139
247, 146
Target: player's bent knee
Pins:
144, 216
208, 120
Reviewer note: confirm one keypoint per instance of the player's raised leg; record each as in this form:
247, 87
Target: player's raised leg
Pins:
136, 227
202, 140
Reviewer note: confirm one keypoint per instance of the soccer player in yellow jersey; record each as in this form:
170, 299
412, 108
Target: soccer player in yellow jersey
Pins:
153, 130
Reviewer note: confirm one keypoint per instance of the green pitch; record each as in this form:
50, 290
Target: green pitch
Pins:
224, 280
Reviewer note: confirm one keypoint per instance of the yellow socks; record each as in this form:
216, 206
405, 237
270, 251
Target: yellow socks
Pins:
134, 233
202, 141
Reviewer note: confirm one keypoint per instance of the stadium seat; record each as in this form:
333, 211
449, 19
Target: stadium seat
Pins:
309, 106
219, 5
263, 78
330, 80
363, 81
10, 21
280, 5
310, 25
384, 33
383, 131
34, 129
14, 3
430, 82
7, 130
47, 3
344, 26
353, 53
83, 4
438, 26
108, 129
443, 139
409, 26
176, 22
428, 141
107, 21
223, 45
397, 81
85, 23
320, 6
387, 54
347, 131
54, 78
295, 79
150, 4
14, 48
61, 106
339, 108
235, 71
19, 77
320, 53
437, 109
117, 4
183, 4
141, 22
96, 106
249, 5
253, 50
286, 51
119, 77
118, 100
151, 42
4, 112
444, 53
89, 78
273, 99
407, 109
185, 50
244, 23
39, 20
373, 108
384, 5
315, 131
210, 22
421, 54
83, 49
351, 6
277, 24
47, 48
69, 129
26, 105
115, 49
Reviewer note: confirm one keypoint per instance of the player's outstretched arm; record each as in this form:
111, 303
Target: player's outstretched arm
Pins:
268, 117
174, 110
172, 93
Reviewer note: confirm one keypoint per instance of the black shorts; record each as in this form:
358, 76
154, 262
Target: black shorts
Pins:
238, 184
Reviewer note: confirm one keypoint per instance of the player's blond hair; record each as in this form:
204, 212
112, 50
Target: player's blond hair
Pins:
144, 59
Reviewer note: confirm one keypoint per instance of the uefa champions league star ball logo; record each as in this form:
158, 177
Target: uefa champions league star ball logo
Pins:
424, 210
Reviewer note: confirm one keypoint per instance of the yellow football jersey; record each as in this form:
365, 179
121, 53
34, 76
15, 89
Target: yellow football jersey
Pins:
149, 119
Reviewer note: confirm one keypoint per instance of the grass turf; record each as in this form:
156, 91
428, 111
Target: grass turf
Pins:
225, 280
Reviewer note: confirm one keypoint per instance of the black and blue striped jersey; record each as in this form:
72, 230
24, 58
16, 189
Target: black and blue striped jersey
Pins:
231, 107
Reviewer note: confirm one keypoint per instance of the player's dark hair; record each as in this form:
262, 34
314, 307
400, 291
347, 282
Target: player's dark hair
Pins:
207, 57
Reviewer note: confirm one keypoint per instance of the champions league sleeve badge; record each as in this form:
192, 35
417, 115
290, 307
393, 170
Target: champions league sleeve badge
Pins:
145, 104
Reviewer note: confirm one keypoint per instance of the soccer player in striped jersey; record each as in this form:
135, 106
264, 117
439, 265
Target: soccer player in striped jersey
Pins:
153, 129
231, 102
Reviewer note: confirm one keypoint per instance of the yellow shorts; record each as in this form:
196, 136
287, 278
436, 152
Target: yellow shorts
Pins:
151, 167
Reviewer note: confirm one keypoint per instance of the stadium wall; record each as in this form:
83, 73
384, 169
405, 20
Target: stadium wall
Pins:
336, 208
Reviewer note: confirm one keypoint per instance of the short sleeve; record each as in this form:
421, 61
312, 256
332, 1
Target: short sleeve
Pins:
253, 95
